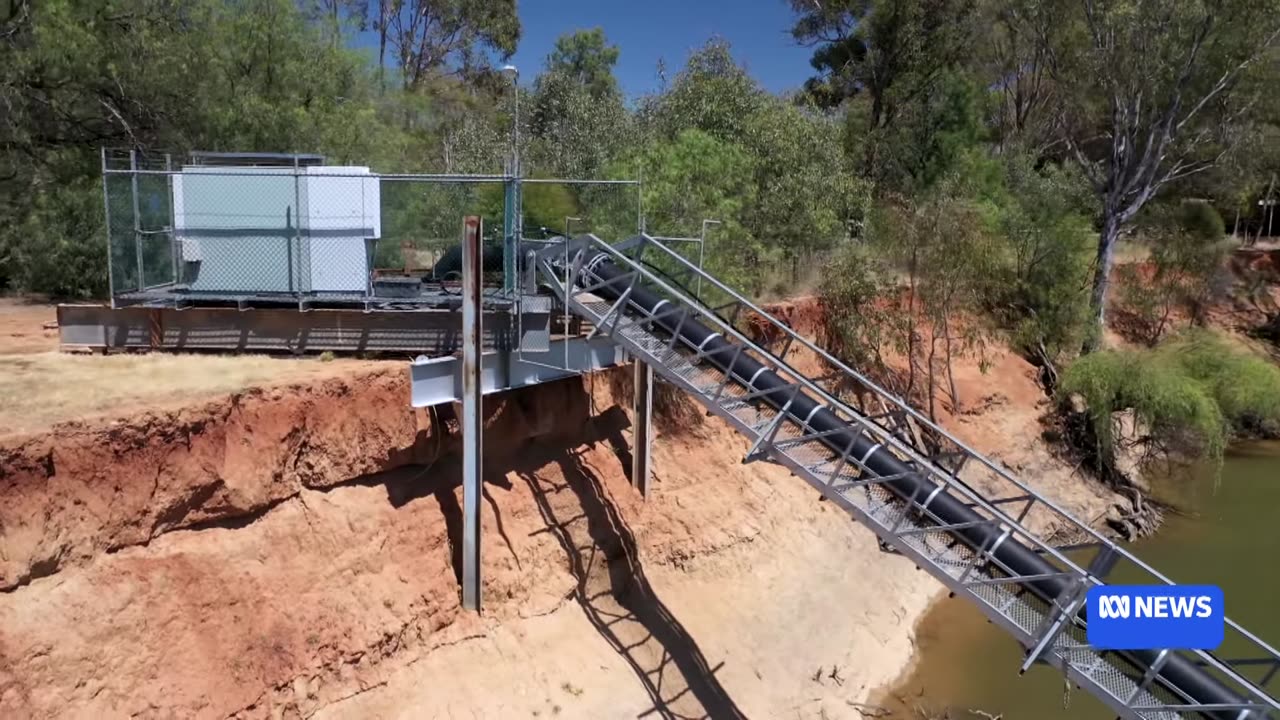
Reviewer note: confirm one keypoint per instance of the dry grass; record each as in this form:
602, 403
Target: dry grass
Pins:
40, 389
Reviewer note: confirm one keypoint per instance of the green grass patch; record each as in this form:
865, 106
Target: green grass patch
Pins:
1192, 393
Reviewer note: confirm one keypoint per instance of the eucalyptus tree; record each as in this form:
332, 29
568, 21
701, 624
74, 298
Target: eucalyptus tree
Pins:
577, 120
895, 54
428, 38
1150, 93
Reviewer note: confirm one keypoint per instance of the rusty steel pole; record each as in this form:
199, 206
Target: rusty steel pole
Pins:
472, 403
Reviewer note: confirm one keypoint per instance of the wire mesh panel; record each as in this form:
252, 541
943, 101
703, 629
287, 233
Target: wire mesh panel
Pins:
987, 535
421, 220
139, 209
260, 228
252, 225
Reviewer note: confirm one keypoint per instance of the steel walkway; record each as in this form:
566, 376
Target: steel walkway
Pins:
1050, 629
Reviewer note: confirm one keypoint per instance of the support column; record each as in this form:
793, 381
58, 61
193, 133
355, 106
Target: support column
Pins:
511, 235
472, 403
642, 407
137, 218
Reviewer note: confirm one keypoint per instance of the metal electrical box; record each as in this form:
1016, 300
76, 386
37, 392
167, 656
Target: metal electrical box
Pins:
249, 229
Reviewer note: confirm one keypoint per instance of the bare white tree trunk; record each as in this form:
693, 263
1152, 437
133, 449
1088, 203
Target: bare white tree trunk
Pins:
1103, 265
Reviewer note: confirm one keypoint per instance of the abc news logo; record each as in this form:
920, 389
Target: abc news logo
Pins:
1122, 607
1150, 617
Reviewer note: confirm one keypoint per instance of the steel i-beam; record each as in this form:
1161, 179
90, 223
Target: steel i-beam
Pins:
472, 399
642, 406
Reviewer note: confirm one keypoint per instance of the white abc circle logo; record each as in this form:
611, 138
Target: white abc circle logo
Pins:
1113, 606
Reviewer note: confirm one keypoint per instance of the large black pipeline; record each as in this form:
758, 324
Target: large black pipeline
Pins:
1177, 672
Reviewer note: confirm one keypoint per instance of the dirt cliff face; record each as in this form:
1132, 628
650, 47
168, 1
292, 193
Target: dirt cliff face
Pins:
88, 488
292, 552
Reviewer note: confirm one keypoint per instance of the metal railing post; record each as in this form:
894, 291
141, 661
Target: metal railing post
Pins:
472, 402
174, 255
297, 232
106, 206
137, 217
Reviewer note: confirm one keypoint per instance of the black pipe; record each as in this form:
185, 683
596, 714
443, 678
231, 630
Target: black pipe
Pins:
449, 266
1177, 672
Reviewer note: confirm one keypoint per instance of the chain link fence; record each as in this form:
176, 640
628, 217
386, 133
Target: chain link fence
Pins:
237, 226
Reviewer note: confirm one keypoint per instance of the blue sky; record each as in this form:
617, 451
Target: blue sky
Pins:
646, 30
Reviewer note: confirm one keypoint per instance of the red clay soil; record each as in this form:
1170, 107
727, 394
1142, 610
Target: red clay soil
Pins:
277, 552
96, 618
292, 551
1263, 262
93, 487
1000, 409
27, 326
803, 314
1252, 299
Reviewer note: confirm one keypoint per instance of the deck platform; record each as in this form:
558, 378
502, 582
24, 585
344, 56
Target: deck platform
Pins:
416, 326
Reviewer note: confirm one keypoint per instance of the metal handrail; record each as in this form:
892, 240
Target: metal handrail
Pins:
897, 444
902, 405
289, 171
857, 417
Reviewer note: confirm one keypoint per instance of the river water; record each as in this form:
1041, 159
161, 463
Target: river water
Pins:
1230, 538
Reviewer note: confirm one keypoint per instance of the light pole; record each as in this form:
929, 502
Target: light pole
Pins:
510, 245
702, 247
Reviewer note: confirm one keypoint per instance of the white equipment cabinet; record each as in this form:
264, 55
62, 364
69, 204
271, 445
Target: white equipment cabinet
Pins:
341, 216
266, 230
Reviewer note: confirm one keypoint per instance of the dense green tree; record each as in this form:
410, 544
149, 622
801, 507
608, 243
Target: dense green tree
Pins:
835, 31
712, 93
1039, 291
696, 176
429, 38
927, 138
587, 59
74, 77
578, 120
805, 189
893, 51
1016, 59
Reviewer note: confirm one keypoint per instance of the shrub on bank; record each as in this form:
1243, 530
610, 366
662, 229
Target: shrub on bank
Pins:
1190, 395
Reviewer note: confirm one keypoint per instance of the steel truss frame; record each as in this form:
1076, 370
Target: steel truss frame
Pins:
1050, 632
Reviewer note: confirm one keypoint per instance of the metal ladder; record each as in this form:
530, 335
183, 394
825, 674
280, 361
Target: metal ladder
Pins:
1050, 632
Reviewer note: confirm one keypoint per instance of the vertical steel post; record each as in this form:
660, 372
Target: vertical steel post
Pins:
510, 232
702, 246
137, 217
642, 407
174, 255
106, 206
515, 219
472, 428
297, 232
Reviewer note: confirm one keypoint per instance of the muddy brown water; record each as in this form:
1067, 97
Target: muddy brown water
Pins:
1230, 538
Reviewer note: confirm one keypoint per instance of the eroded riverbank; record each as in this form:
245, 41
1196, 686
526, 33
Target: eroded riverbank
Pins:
1225, 536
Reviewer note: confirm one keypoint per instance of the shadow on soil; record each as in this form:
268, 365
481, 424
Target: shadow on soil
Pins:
612, 588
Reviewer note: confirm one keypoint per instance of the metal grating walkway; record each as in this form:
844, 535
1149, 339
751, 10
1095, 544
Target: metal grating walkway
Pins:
1051, 630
